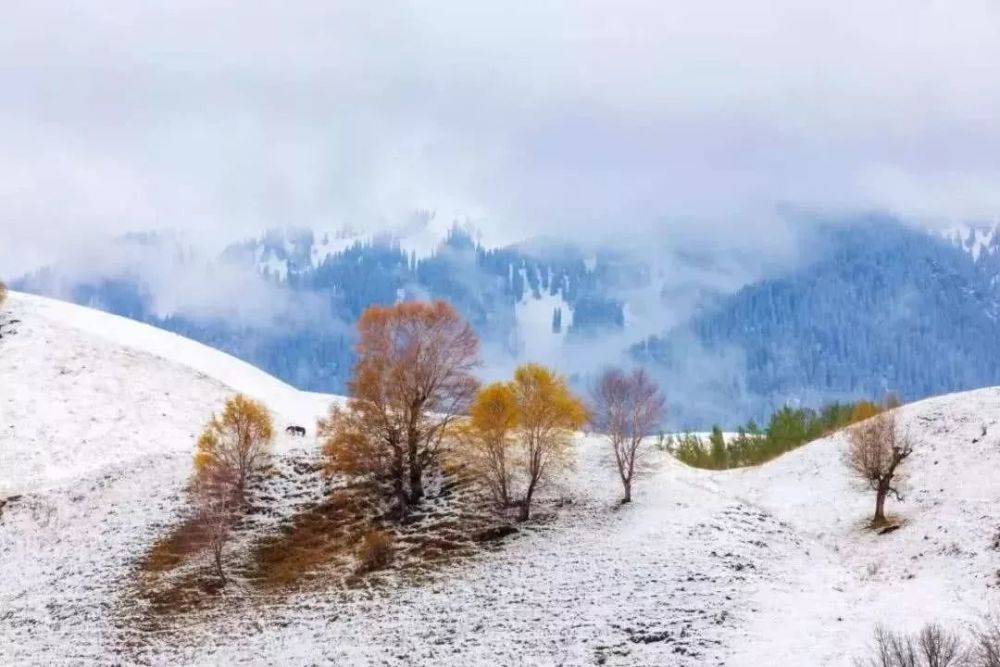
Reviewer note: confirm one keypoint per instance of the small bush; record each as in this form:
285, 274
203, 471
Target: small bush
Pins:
375, 552
934, 646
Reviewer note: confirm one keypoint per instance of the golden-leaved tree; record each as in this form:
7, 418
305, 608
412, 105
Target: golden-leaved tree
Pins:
235, 442
488, 437
412, 378
548, 415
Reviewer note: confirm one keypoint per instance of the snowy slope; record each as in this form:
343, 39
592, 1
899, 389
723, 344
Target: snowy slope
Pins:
756, 567
99, 416
79, 385
977, 240
940, 566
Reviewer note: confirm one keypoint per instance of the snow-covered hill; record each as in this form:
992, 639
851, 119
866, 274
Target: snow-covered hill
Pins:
764, 566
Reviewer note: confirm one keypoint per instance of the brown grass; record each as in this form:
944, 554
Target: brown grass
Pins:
185, 539
375, 551
340, 541
313, 542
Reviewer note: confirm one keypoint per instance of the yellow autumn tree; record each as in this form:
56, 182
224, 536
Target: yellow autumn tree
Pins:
864, 410
236, 442
548, 414
3, 293
488, 436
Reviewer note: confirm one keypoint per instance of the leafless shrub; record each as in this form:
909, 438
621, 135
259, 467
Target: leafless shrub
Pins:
986, 644
932, 647
940, 647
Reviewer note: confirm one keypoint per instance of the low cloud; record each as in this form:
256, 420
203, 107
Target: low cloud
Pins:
563, 118
176, 279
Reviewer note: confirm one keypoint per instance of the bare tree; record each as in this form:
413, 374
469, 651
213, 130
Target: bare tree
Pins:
412, 379
217, 501
932, 647
940, 647
626, 407
877, 448
986, 644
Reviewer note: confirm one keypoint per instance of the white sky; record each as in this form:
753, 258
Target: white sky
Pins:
545, 117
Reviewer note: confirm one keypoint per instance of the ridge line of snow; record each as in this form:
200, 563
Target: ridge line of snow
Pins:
238, 375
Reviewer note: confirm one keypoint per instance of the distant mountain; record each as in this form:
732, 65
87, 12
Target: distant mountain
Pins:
881, 307
873, 306
287, 301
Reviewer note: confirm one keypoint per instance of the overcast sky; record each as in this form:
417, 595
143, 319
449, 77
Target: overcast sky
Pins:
223, 118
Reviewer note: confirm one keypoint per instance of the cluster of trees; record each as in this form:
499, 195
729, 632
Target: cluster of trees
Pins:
518, 434
786, 429
413, 383
413, 394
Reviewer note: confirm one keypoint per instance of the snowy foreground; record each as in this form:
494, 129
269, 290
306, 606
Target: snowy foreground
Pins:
763, 566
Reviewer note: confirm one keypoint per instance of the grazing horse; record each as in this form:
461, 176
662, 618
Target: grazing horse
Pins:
296, 430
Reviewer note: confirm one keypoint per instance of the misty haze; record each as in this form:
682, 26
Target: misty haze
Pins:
461, 333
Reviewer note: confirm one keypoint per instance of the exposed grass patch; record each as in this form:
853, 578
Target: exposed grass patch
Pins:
302, 533
170, 551
314, 541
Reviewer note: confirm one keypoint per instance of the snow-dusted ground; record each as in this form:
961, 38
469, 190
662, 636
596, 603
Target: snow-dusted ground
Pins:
756, 567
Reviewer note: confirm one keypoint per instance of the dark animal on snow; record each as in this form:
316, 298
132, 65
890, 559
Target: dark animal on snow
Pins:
296, 430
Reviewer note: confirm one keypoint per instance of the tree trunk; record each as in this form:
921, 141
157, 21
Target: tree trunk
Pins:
525, 513
416, 471
398, 488
628, 492
218, 566
880, 495
416, 482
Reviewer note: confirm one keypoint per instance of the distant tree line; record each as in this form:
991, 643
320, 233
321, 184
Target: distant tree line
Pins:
786, 429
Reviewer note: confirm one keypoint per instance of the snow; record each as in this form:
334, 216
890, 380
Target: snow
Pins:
274, 267
533, 315
328, 244
974, 239
98, 416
